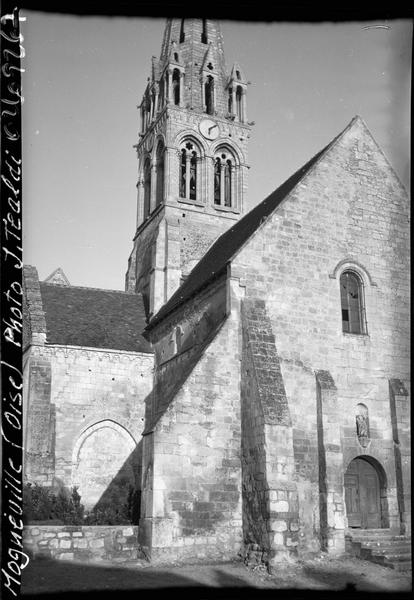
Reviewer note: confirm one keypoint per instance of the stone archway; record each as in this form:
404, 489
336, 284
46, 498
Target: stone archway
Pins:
365, 494
101, 465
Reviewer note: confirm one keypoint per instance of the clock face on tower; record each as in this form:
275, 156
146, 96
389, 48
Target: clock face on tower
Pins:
209, 129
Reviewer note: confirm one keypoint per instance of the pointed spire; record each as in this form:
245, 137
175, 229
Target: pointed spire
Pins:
58, 277
209, 61
237, 74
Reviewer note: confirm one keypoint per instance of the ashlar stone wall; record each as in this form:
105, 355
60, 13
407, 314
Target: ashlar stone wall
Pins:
117, 543
350, 211
191, 465
86, 415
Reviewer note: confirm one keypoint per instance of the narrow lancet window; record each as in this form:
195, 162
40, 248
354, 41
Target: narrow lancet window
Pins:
230, 101
188, 172
183, 173
193, 176
209, 95
204, 39
182, 33
176, 86
227, 183
147, 188
160, 173
239, 103
217, 181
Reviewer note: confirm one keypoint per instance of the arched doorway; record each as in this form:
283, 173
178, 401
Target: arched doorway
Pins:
365, 496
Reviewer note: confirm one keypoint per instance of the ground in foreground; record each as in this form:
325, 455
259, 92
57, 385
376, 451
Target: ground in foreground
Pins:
48, 577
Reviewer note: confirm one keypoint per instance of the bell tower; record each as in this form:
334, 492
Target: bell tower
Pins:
192, 158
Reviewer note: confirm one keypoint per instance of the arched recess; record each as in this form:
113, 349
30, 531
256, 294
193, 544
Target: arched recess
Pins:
366, 497
103, 465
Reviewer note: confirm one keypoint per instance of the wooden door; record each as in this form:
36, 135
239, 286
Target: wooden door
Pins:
362, 495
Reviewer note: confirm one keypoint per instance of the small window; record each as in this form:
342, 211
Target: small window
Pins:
147, 188
160, 173
230, 101
209, 95
204, 32
239, 105
176, 86
182, 34
352, 303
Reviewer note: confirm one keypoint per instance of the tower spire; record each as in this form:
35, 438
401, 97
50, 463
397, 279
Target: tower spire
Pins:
192, 153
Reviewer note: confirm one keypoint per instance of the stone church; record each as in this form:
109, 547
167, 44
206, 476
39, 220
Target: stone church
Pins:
252, 382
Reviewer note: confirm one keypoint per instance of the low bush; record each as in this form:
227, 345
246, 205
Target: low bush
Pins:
46, 505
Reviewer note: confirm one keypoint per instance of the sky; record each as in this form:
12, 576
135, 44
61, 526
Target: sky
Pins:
85, 76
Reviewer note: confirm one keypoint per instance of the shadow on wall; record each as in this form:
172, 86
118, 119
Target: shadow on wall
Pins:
124, 491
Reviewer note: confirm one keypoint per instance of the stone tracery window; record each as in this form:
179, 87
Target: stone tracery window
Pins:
352, 303
188, 171
224, 179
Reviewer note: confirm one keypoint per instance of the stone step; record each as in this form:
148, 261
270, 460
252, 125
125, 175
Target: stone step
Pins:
385, 548
391, 555
399, 565
379, 538
400, 562
391, 544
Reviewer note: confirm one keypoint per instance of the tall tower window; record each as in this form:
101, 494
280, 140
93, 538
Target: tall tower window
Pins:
147, 187
227, 183
188, 172
230, 101
239, 103
176, 86
224, 174
204, 32
217, 179
209, 95
182, 33
160, 173
193, 176
352, 303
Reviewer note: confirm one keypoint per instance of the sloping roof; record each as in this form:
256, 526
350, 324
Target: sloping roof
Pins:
227, 245
81, 316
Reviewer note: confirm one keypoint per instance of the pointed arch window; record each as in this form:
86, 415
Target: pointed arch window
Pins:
160, 173
224, 180
209, 95
352, 303
188, 172
147, 187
